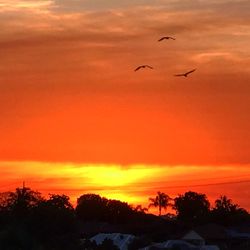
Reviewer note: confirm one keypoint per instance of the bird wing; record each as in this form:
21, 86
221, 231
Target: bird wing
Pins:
149, 66
166, 37
137, 68
190, 71
179, 75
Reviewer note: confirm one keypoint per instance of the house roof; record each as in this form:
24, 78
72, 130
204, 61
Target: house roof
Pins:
120, 240
192, 235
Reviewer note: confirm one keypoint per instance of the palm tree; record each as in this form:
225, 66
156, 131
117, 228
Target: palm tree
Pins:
225, 204
161, 200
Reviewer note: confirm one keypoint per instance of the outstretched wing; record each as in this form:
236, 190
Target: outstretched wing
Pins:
191, 71
137, 68
166, 37
149, 66
179, 75
161, 39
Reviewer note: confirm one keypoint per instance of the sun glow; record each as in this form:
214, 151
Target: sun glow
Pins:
112, 181
117, 176
133, 183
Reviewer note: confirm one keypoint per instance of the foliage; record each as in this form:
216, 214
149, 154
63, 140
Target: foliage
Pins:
36, 223
191, 206
57, 214
226, 212
91, 207
140, 209
22, 201
161, 200
31, 222
225, 204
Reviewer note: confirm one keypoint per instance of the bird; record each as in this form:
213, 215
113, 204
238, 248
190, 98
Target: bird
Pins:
143, 66
186, 74
166, 37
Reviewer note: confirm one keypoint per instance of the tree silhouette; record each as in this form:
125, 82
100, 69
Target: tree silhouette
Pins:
33, 222
60, 202
161, 200
225, 204
191, 206
29, 221
226, 212
91, 207
57, 213
140, 209
118, 211
23, 200
55, 216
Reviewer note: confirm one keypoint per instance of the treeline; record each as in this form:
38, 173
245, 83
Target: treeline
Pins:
31, 222
194, 208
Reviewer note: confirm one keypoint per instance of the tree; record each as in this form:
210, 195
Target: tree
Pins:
225, 204
54, 224
140, 209
161, 200
191, 206
4, 209
226, 212
18, 207
118, 211
55, 214
60, 202
94, 207
23, 200
91, 207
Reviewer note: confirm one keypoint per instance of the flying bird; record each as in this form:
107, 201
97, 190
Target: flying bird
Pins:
186, 74
166, 38
143, 67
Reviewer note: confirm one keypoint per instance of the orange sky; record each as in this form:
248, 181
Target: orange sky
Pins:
69, 94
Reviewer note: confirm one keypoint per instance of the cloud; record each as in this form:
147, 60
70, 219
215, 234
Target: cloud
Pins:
38, 6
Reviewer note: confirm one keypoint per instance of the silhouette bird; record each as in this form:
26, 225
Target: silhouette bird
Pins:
143, 67
186, 74
166, 38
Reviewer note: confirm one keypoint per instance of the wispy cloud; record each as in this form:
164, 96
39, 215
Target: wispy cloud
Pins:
26, 5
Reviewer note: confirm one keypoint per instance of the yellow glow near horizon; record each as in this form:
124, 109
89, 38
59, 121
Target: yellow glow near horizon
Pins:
133, 184
116, 176
81, 174
111, 181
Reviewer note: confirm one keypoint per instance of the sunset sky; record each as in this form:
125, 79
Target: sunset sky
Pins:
76, 118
